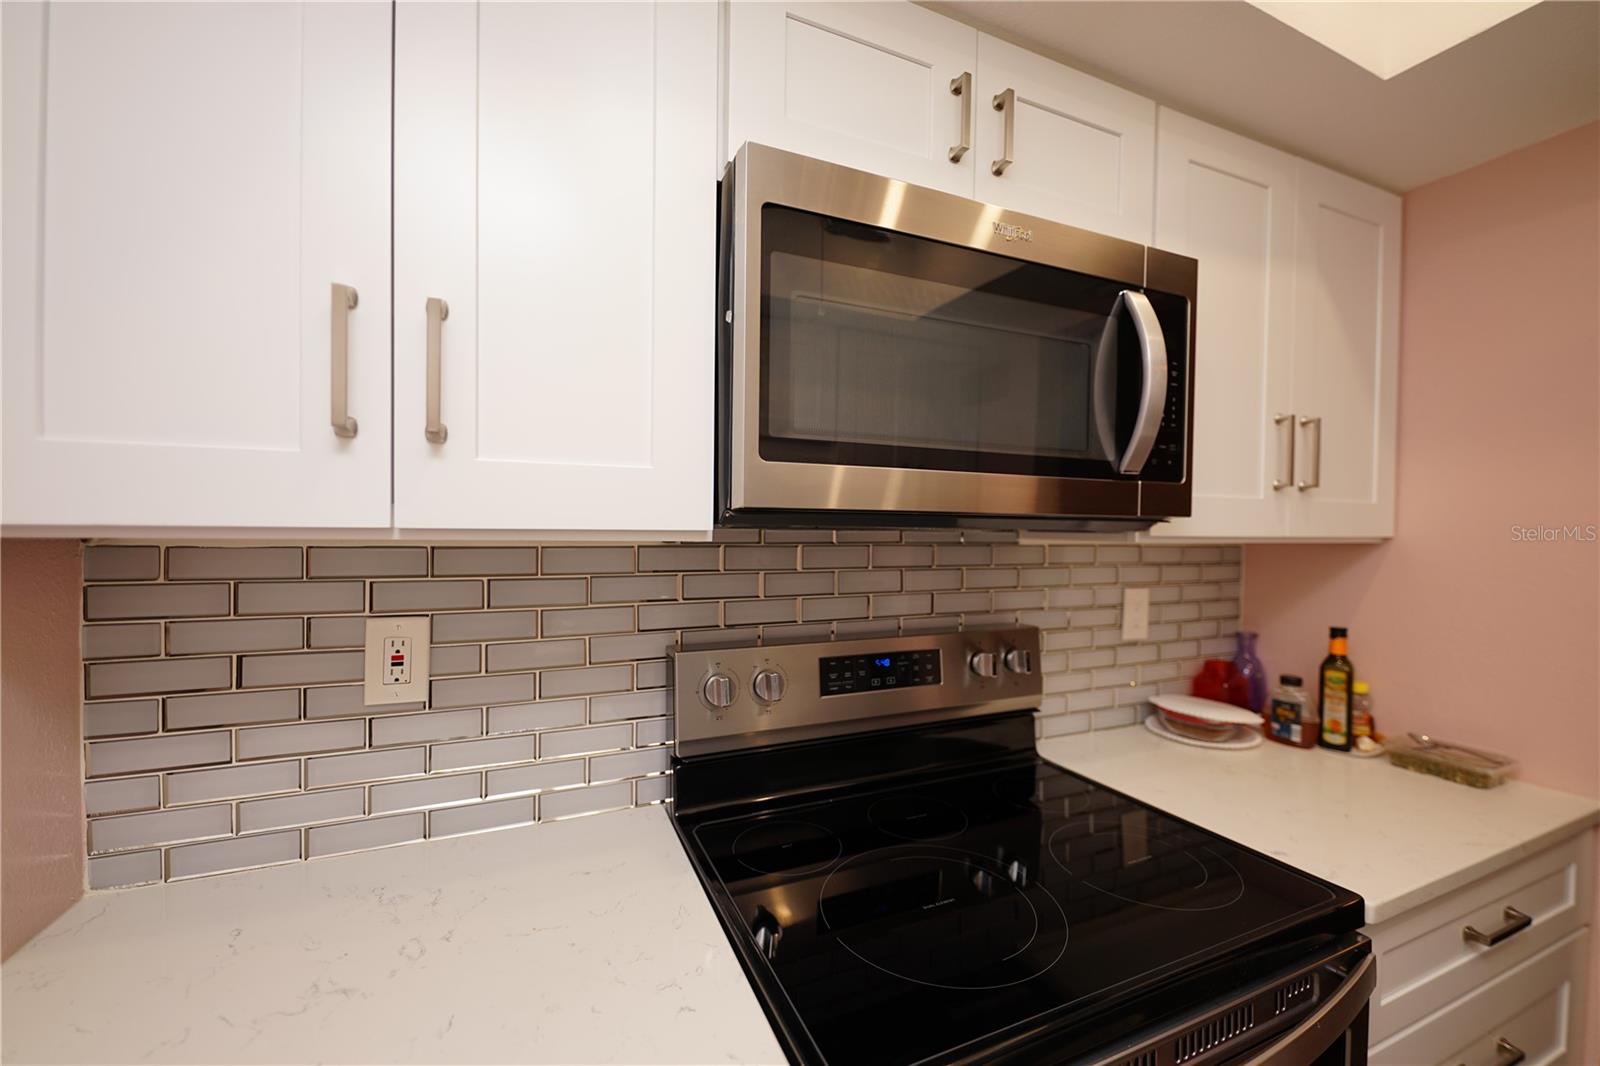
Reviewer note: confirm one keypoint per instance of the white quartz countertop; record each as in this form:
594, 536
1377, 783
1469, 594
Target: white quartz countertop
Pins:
581, 941
1396, 837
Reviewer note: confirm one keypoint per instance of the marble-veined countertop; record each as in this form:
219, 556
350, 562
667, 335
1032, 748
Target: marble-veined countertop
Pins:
1396, 837
580, 941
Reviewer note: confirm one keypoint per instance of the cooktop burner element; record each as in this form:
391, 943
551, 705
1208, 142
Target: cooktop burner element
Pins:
778, 846
870, 901
1163, 871
916, 817
924, 892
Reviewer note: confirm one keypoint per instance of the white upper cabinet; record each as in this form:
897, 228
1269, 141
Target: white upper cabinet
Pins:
555, 170
1230, 203
1346, 355
1057, 143
184, 186
1297, 343
873, 86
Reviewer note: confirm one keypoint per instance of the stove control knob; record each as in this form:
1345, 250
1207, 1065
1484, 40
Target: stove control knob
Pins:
769, 686
1019, 660
984, 664
717, 691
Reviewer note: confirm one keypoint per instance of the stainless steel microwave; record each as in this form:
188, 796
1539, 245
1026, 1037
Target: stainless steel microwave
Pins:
891, 354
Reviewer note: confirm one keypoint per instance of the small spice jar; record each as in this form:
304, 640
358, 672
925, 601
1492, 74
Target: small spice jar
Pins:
1290, 718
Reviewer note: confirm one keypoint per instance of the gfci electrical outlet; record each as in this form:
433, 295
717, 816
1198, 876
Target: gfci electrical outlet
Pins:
396, 661
1135, 614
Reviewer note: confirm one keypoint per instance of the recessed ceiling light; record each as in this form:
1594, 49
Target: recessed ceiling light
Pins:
1390, 36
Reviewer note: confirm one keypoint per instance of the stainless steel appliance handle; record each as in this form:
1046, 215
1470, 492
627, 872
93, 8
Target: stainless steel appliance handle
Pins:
344, 301
1515, 922
1285, 462
1506, 1053
1006, 104
1316, 462
1153, 399
438, 311
1306, 1042
962, 87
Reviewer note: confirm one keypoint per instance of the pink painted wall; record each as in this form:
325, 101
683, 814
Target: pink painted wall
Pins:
1463, 630
41, 782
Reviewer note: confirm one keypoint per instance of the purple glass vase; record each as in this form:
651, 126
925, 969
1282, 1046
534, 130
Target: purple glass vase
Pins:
1250, 668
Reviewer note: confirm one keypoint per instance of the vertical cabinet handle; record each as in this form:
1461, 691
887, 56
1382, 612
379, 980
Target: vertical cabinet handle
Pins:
1285, 423
962, 87
1316, 462
1006, 104
1506, 1053
438, 311
343, 302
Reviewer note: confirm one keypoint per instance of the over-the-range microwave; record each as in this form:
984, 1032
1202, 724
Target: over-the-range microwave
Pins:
894, 355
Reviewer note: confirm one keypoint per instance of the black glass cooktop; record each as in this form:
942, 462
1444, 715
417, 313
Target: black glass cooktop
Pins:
904, 920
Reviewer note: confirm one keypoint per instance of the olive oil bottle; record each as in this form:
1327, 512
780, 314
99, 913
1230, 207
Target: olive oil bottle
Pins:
1336, 681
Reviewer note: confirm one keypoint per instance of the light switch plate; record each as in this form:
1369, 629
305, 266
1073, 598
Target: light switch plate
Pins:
1135, 614
396, 661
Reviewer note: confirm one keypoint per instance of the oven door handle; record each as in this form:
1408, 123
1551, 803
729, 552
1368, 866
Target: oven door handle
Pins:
1153, 396
1306, 1042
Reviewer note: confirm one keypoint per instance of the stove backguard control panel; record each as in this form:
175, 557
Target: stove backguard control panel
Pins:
730, 698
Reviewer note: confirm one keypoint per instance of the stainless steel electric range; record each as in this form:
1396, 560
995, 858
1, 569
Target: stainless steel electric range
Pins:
906, 881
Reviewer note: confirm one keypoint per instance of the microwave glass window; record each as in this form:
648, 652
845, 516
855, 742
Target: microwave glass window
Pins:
883, 349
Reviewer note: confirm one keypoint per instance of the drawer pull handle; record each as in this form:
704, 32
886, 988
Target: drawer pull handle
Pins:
1516, 922
1507, 1053
438, 311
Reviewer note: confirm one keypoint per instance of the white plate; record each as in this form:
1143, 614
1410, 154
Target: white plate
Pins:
1207, 710
1243, 737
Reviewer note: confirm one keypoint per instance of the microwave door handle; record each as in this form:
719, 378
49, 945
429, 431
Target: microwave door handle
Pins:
1153, 397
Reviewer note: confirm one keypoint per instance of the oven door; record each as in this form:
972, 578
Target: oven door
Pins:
897, 350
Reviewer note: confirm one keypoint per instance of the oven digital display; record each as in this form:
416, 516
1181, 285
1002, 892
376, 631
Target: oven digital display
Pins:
843, 674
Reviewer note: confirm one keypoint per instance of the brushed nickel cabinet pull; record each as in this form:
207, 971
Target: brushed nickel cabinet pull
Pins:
1285, 461
1006, 103
344, 301
962, 87
1316, 462
1506, 1053
438, 311
1515, 922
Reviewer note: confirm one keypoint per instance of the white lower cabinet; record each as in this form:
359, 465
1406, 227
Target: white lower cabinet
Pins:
555, 219
1444, 998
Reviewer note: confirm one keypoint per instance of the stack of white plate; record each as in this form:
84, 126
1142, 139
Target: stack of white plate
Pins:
1204, 723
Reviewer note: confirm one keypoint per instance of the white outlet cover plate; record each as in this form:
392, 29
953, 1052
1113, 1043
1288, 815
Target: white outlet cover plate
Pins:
1136, 614
378, 694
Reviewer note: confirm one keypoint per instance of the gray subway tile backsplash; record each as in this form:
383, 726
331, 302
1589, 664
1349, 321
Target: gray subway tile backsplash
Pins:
236, 635
122, 718
367, 562
122, 641
225, 681
116, 602
232, 708
121, 562
234, 564
466, 562
267, 849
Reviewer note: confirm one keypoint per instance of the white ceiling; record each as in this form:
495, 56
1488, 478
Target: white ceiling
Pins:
1527, 78
1389, 36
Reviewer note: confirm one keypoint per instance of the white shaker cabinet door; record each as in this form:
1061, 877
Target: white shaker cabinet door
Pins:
555, 194
185, 183
1346, 355
1079, 150
1229, 202
876, 86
